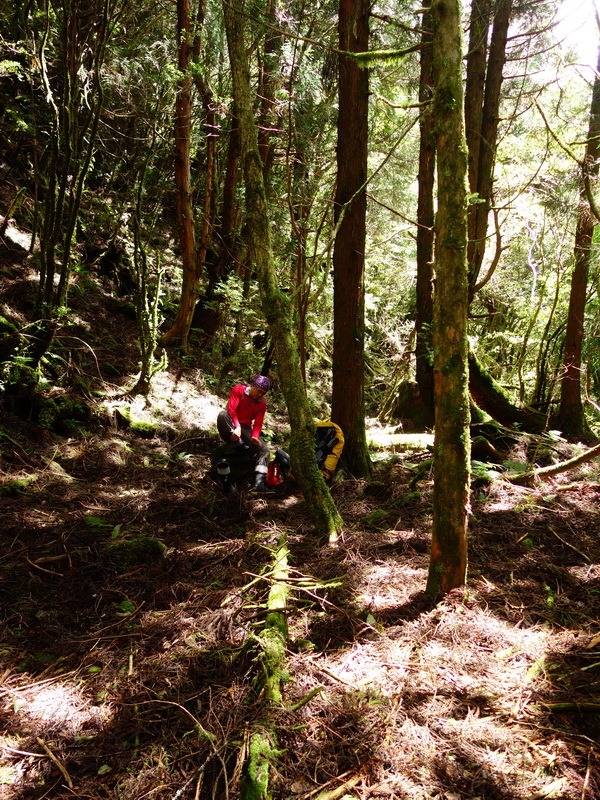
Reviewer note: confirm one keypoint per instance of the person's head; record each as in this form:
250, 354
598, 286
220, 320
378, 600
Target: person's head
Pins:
260, 386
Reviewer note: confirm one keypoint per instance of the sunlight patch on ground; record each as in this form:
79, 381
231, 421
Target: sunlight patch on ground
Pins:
443, 655
170, 401
390, 585
585, 574
18, 236
56, 708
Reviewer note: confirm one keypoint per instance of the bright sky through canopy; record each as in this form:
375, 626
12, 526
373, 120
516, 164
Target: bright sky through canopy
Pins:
578, 28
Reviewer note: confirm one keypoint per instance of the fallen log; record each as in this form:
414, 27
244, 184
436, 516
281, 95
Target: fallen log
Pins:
532, 476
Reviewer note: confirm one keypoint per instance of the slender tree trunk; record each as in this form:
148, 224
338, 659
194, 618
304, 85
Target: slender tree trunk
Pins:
448, 564
425, 230
348, 405
83, 39
482, 176
571, 418
276, 305
479, 24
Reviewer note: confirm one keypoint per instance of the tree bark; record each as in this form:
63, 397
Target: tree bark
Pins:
425, 229
276, 305
179, 330
484, 138
350, 204
571, 418
448, 564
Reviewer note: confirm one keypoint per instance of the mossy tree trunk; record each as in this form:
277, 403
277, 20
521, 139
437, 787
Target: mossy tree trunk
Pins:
276, 305
272, 657
348, 405
425, 230
494, 400
448, 564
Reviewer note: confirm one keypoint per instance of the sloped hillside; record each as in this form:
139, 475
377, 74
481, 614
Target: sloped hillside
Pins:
134, 592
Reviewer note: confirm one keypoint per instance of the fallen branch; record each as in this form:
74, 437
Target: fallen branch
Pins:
534, 475
568, 544
56, 761
571, 708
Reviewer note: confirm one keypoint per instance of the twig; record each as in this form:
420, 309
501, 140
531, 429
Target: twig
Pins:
587, 777
21, 752
568, 544
337, 791
306, 699
55, 760
47, 571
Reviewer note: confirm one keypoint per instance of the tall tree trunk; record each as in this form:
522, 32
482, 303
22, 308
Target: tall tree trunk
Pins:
348, 403
448, 564
425, 230
571, 418
276, 305
179, 330
484, 139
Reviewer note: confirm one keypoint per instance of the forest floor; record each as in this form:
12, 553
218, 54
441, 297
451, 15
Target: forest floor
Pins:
128, 669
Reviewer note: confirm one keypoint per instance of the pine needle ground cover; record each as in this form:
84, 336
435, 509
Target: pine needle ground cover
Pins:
135, 599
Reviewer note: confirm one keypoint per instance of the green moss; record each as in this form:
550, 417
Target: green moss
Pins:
17, 486
6, 326
255, 778
375, 519
143, 429
136, 551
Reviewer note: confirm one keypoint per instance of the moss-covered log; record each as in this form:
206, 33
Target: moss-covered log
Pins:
271, 661
530, 477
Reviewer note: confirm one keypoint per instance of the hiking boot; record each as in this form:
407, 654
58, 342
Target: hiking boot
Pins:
260, 484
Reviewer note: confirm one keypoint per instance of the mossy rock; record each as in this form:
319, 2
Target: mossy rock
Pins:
376, 489
136, 551
142, 428
375, 520
63, 414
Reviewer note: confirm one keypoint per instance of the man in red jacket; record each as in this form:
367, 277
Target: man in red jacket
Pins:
242, 421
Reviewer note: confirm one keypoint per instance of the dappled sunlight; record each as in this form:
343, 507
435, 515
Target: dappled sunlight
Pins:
585, 574
56, 707
170, 404
388, 586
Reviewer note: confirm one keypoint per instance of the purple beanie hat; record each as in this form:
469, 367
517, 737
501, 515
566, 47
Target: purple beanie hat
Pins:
262, 382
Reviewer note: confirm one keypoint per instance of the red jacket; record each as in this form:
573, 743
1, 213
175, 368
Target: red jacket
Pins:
243, 410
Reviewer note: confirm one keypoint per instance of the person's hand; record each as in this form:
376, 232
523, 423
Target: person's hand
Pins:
234, 437
255, 441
